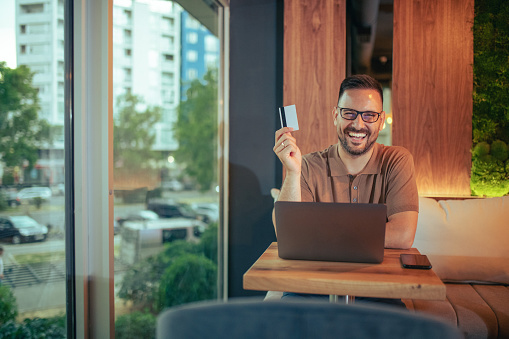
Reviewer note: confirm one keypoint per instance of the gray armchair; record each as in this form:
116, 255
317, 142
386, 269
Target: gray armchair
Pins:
246, 319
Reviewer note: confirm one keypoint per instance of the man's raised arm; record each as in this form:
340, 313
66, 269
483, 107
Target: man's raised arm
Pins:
285, 147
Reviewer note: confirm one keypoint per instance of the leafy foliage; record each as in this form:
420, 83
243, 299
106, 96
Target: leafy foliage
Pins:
8, 306
21, 131
133, 133
36, 328
135, 325
140, 284
490, 119
189, 278
490, 175
196, 130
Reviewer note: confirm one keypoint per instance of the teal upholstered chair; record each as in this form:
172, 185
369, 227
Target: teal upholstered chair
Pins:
245, 319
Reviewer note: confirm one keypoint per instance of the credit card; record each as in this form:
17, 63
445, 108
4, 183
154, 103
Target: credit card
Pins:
288, 117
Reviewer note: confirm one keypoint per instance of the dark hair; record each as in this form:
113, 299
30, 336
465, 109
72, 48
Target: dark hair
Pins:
360, 81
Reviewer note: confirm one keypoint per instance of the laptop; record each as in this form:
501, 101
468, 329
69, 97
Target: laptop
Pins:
331, 231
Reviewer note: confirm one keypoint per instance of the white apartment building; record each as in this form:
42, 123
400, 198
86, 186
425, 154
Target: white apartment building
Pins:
40, 46
146, 59
146, 52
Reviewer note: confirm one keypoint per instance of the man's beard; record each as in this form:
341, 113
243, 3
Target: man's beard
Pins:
355, 152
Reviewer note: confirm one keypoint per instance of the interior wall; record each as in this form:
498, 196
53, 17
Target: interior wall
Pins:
314, 66
256, 76
432, 91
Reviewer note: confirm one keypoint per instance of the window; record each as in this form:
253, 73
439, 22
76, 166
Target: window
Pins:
127, 52
192, 56
211, 44
192, 74
167, 24
32, 8
192, 23
155, 167
34, 260
192, 37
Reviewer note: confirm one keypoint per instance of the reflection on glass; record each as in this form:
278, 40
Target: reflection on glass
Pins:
165, 159
32, 264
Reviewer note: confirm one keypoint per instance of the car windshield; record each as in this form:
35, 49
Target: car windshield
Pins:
23, 221
187, 209
150, 215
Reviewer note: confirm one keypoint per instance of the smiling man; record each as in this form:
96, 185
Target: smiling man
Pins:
357, 169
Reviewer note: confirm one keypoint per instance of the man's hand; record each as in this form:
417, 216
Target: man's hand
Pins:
286, 149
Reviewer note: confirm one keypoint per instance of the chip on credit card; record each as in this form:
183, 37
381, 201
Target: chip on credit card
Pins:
288, 117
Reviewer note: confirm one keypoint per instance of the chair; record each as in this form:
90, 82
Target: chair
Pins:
245, 319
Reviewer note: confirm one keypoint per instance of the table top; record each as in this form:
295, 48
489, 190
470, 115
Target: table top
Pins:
386, 280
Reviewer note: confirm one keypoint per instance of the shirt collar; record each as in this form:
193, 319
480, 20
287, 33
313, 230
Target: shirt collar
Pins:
338, 168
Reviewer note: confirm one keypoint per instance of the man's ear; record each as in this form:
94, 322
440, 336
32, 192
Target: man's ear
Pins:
382, 120
335, 116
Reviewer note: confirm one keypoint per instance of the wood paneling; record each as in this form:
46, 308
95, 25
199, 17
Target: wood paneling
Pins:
314, 66
432, 91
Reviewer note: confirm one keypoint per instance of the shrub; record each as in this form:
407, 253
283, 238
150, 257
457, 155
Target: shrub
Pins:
135, 325
189, 278
3, 201
499, 150
36, 328
490, 175
8, 306
482, 148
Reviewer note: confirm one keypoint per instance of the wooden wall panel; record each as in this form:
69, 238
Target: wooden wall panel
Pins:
314, 66
432, 91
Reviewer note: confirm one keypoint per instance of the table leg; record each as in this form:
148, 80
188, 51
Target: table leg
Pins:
349, 299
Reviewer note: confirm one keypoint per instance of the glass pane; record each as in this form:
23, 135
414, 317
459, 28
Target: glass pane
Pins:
32, 229
165, 74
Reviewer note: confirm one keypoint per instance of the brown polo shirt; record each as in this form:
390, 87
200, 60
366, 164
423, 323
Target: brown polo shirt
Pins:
388, 178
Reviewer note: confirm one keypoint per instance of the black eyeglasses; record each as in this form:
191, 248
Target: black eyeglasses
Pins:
351, 114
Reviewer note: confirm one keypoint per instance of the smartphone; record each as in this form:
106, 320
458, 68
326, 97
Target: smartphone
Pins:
418, 261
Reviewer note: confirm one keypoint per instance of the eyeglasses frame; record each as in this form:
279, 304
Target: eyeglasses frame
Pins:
357, 114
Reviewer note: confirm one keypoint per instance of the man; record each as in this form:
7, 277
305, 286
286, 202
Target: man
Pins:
356, 169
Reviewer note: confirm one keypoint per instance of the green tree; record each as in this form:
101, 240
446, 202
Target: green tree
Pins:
133, 132
21, 131
196, 130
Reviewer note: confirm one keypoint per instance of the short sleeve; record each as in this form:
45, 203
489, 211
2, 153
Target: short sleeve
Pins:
401, 194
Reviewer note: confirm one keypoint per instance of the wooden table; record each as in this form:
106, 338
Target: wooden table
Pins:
385, 280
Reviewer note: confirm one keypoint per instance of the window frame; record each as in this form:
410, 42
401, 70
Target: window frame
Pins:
88, 51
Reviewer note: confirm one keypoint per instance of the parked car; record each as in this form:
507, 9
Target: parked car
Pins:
138, 216
22, 228
172, 185
209, 211
170, 209
142, 215
34, 192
